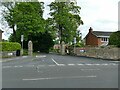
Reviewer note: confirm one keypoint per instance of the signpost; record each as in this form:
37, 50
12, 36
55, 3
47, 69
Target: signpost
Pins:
74, 44
22, 38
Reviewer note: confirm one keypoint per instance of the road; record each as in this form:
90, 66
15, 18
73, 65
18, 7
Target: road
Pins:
56, 71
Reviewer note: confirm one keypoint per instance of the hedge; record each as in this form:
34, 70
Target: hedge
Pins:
10, 46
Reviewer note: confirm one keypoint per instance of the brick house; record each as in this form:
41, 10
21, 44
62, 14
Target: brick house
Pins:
1, 35
97, 38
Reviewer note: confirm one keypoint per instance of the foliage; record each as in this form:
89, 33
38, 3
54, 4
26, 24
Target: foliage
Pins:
79, 45
25, 52
42, 42
27, 16
65, 19
10, 46
115, 39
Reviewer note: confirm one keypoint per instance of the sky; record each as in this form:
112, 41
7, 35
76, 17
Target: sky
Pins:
101, 15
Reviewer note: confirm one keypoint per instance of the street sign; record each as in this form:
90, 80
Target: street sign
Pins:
74, 40
22, 37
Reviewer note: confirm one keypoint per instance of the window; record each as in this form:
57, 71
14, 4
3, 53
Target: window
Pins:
104, 39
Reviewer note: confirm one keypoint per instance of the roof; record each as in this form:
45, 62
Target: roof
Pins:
101, 33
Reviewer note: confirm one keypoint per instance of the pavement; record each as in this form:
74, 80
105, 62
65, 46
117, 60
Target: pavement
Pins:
56, 71
12, 58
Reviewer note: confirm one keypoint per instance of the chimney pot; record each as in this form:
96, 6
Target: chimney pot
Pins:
90, 30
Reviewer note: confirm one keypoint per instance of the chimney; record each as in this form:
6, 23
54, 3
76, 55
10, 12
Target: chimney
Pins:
90, 30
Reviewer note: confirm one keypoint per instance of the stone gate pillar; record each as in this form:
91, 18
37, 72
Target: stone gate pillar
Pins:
30, 48
63, 48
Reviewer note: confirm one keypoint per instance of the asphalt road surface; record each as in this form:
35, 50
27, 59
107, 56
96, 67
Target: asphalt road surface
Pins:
56, 71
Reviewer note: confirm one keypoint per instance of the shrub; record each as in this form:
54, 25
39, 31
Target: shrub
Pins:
115, 39
25, 52
10, 46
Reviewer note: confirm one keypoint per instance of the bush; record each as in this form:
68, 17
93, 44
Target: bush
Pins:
25, 52
10, 46
115, 39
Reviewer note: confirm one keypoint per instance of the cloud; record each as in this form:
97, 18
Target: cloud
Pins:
99, 14
102, 15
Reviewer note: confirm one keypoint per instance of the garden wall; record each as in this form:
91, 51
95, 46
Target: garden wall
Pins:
99, 52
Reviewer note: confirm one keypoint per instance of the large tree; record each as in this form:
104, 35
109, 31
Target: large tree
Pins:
29, 19
27, 16
66, 19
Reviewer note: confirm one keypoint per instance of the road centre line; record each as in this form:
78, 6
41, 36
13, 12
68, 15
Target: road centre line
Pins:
68, 77
71, 64
6, 66
61, 65
90, 69
51, 65
89, 64
80, 64
20, 66
104, 64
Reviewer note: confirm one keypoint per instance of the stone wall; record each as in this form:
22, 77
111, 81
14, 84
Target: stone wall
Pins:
99, 52
8, 53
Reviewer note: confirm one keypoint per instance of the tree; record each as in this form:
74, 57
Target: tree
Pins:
9, 17
66, 19
27, 16
115, 39
42, 42
30, 23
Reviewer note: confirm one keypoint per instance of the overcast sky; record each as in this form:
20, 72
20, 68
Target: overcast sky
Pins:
101, 15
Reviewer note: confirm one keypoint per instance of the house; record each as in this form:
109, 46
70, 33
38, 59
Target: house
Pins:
1, 35
97, 38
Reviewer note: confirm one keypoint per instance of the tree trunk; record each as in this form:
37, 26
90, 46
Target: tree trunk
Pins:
14, 33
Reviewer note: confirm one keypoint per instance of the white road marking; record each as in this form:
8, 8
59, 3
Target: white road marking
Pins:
42, 56
16, 66
24, 56
6, 66
41, 66
51, 65
113, 64
89, 64
96, 64
68, 77
90, 69
20, 66
80, 64
71, 64
29, 65
105, 64
61, 65
55, 61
